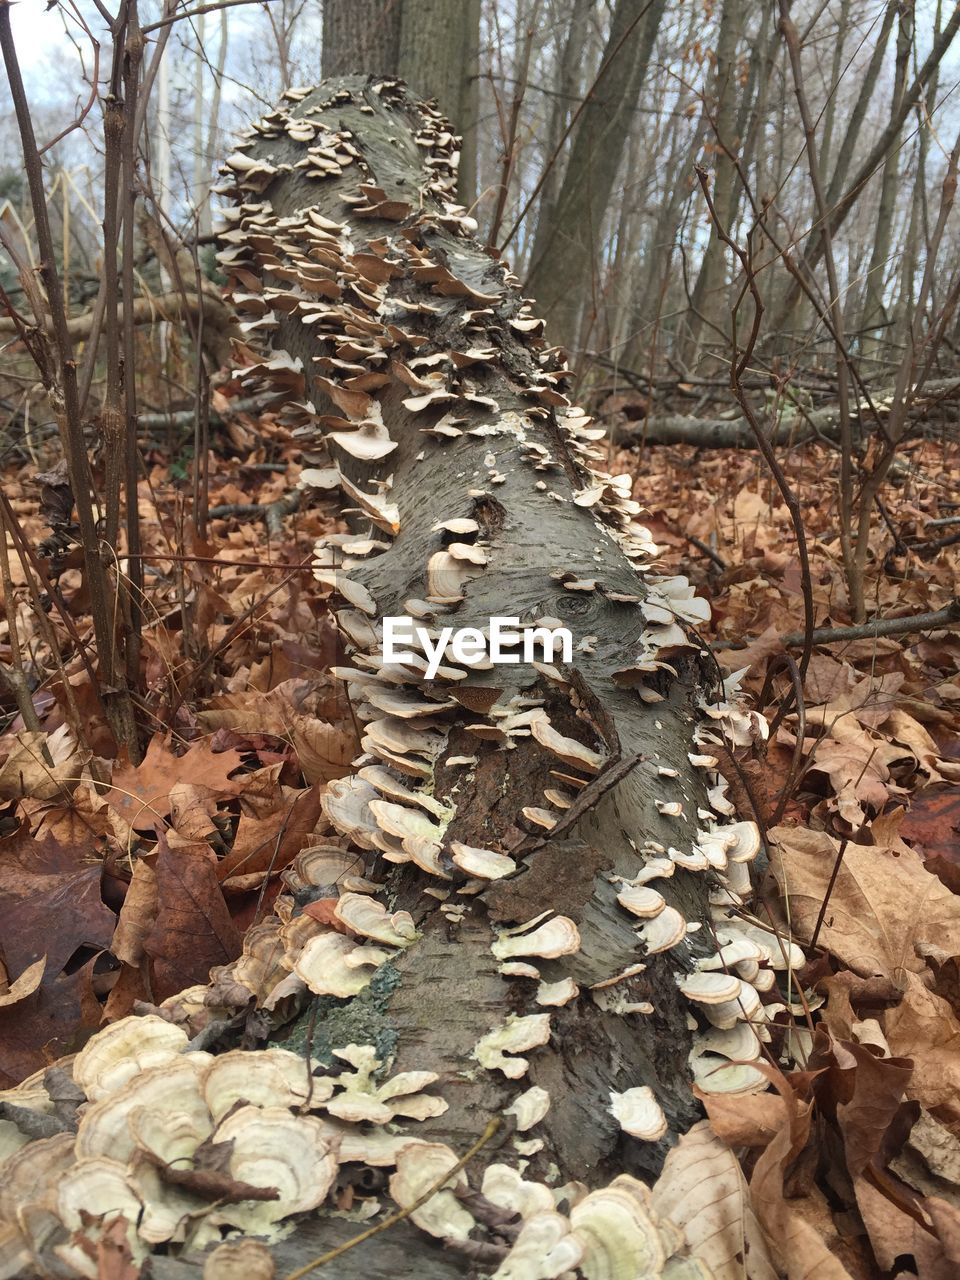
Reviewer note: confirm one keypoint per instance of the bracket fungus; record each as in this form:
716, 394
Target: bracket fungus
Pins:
515, 1036
638, 1113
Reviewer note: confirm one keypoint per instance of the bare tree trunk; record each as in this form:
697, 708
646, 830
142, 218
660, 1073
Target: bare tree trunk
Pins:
569, 71
833, 86
360, 34
431, 44
709, 294
842, 194
439, 43
569, 232
874, 317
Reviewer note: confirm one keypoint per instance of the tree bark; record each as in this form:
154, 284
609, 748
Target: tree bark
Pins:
842, 195
360, 34
566, 249
874, 318
388, 327
432, 44
709, 294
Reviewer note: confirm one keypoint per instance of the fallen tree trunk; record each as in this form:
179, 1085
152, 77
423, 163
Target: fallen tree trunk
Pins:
484, 504
510, 912
445, 354
792, 429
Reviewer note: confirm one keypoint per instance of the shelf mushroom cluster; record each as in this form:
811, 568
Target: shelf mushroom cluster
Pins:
156, 1120
183, 1145
375, 333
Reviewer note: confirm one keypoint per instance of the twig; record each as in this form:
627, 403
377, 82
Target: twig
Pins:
738, 365
927, 549
838, 862
195, 13
187, 417
61, 386
489, 1132
707, 550
943, 619
14, 675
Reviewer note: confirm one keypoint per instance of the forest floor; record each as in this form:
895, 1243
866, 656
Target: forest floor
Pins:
101, 909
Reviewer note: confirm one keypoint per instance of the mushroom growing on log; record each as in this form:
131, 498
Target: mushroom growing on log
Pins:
489, 492
530, 863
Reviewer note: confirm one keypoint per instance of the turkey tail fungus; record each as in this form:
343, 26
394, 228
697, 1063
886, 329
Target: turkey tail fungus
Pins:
530, 884
552, 838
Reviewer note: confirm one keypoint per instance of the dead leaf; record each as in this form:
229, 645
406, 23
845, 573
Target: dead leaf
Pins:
46, 1025
323, 751
702, 1189
141, 795
25, 985
272, 842
932, 825
26, 771
923, 1027
865, 1093
137, 915
743, 1120
49, 903
930, 1160
886, 911
193, 930
799, 1229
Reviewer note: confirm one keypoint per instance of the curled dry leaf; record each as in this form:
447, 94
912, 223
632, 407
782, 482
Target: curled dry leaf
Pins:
924, 1028
702, 1189
193, 930
799, 1231
886, 911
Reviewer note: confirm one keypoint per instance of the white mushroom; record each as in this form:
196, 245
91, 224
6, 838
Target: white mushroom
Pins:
366, 916
518, 969
484, 863
504, 1187
557, 937
555, 994
620, 1238
709, 988
419, 1167
639, 1113
122, 1049
324, 965
529, 1107
641, 901
570, 751
544, 1249
172, 1087
664, 931
272, 1148
514, 1036
270, 1077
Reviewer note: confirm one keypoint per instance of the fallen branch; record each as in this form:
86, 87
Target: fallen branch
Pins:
179, 419
273, 513
149, 309
735, 433
943, 618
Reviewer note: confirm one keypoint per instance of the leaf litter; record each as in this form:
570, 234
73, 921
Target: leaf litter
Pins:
123, 885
